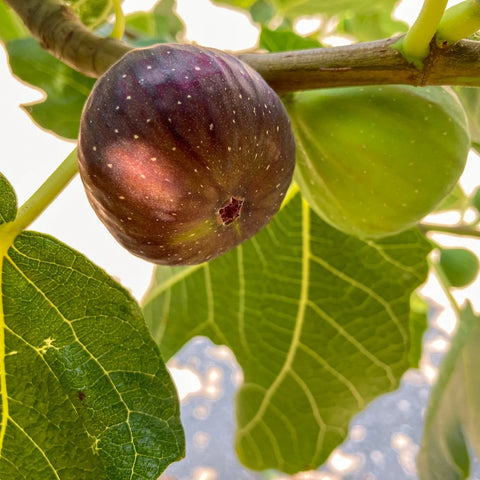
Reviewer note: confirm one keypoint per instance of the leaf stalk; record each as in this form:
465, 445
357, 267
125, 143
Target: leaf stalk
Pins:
119, 25
44, 196
459, 21
415, 46
446, 286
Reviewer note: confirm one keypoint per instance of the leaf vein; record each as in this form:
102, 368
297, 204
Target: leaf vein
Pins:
316, 413
84, 347
302, 304
344, 380
370, 292
37, 447
354, 342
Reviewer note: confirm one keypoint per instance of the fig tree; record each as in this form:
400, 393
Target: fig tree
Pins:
184, 152
373, 161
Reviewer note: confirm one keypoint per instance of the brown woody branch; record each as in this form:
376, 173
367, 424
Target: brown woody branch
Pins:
58, 30
370, 63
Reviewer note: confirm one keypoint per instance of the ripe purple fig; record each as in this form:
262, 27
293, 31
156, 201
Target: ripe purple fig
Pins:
184, 152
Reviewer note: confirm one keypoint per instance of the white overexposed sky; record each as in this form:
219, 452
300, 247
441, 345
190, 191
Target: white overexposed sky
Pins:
29, 155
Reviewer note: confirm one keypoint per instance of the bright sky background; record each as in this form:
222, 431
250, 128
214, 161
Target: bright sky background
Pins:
29, 155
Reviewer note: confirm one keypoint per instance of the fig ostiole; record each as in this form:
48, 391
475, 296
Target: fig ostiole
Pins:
373, 161
184, 152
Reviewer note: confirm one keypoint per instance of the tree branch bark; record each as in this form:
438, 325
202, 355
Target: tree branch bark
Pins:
370, 63
58, 30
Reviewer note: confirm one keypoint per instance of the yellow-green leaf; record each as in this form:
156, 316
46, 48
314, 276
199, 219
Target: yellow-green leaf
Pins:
318, 321
84, 392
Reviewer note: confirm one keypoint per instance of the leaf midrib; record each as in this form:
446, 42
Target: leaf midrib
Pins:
3, 373
299, 321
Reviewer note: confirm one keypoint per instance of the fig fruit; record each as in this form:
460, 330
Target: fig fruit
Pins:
184, 152
373, 161
460, 266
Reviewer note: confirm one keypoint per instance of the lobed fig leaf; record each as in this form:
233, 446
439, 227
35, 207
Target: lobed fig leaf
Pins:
184, 152
373, 161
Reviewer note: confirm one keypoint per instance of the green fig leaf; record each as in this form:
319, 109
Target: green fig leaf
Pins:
475, 199
66, 89
8, 204
452, 424
294, 8
92, 12
84, 392
11, 27
285, 40
418, 326
455, 200
244, 4
318, 321
371, 26
159, 25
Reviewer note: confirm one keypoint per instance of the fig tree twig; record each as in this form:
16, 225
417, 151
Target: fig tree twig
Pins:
58, 30
370, 63
367, 63
451, 230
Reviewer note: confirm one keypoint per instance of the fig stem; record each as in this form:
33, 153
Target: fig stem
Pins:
415, 45
466, 231
445, 284
458, 22
119, 25
44, 196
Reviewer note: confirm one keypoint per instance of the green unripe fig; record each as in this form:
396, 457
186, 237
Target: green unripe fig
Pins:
373, 161
459, 265
184, 152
